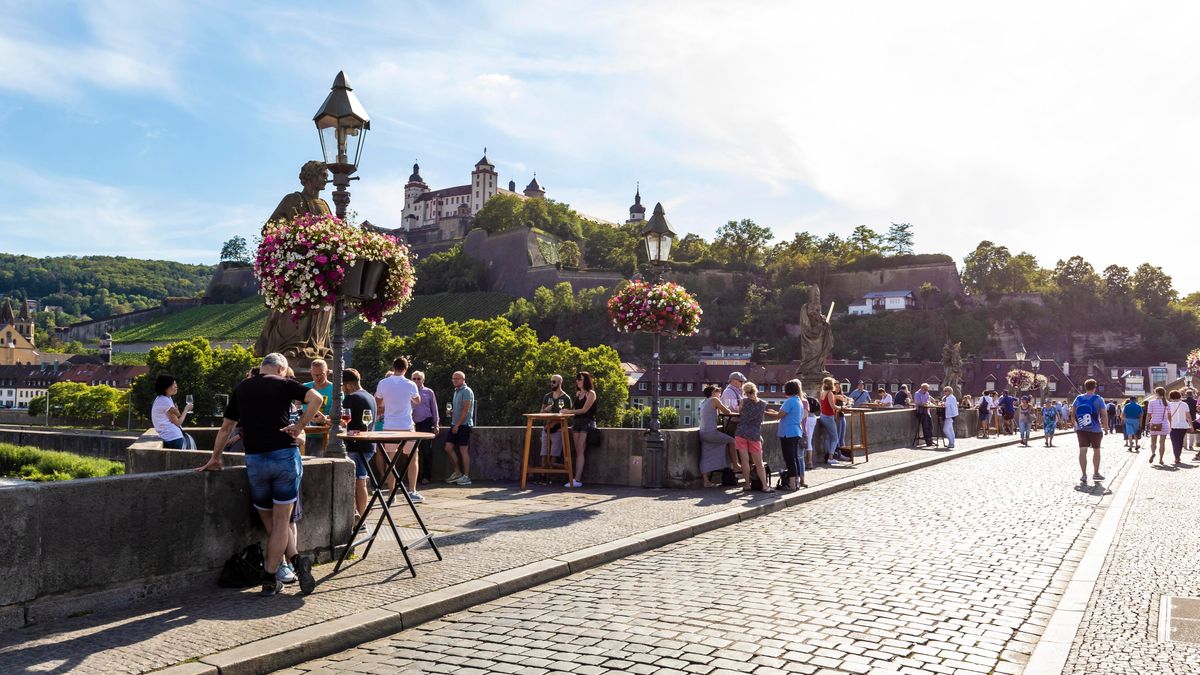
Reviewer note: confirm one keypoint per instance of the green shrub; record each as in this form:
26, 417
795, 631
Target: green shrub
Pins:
21, 461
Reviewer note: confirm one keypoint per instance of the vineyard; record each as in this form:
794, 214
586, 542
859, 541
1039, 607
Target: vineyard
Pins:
242, 322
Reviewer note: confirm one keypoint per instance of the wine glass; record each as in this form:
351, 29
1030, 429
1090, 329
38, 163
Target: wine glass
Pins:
449, 410
345, 417
367, 418
188, 399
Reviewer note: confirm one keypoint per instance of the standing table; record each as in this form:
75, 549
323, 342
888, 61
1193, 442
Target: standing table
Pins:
935, 413
856, 432
407, 441
564, 428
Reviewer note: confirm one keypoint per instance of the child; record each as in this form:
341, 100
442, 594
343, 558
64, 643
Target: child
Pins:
748, 437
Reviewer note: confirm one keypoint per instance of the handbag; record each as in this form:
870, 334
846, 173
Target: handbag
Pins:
244, 569
594, 437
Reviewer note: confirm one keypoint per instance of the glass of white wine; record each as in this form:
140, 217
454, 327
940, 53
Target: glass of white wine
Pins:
367, 419
188, 399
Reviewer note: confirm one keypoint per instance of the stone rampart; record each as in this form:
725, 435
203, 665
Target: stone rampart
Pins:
106, 445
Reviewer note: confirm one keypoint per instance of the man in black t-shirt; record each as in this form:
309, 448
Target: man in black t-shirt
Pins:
262, 404
357, 401
555, 401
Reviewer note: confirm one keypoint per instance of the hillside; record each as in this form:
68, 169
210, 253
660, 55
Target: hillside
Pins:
99, 286
244, 320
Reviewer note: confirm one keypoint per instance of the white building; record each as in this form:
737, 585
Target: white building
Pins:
884, 301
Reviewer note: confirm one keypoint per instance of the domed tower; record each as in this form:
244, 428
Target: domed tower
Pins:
483, 183
24, 323
535, 190
637, 212
414, 188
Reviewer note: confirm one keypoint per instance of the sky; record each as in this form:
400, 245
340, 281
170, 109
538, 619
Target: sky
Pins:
162, 129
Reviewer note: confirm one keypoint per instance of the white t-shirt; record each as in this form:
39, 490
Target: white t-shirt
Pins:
162, 424
1179, 415
397, 392
951, 406
886, 399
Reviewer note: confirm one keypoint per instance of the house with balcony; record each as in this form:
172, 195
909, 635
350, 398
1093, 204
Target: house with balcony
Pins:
883, 301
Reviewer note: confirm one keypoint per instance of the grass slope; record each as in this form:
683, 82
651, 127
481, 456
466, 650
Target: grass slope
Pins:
243, 321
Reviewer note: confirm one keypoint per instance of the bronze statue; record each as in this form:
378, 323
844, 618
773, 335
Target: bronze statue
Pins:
952, 362
816, 338
308, 337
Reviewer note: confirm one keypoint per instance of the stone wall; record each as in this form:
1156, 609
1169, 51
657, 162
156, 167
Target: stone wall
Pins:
80, 442
239, 276
83, 545
846, 287
507, 256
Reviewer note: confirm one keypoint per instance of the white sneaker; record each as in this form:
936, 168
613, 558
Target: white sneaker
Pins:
416, 497
832, 462
454, 477
463, 480
572, 484
285, 574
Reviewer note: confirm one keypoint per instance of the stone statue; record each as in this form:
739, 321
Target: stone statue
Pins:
816, 339
952, 361
308, 337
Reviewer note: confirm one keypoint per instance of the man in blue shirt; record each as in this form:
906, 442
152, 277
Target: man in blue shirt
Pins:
1089, 416
860, 396
1133, 424
462, 420
1008, 410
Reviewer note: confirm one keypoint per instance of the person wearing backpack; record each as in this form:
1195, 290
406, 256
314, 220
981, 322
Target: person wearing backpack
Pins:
985, 408
1089, 416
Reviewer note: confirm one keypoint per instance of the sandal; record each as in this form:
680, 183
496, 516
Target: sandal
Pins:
768, 489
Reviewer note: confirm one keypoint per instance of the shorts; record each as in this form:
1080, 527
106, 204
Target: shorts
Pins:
360, 459
274, 477
461, 439
582, 424
1132, 427
176, 444
1007, 415
1090, 439
747, 445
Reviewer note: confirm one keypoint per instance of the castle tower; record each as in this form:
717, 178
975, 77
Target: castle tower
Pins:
24, 323
512, 186
483, 183
535, 190
637, 212
414, 188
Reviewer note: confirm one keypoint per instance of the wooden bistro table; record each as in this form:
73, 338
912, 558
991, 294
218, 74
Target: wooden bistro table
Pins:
397, 466
856, 432
314, 431
564, 428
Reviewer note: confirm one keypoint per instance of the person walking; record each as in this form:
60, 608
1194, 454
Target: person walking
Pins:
395, 396
583, 424
425, 419
1181, 423
1089, 416
1132, 412
167, 419
830, 407
462, 421
1189, 397
1049, 421
1158, 423
950, 404
794, 412
713, 442
1025, 414
262, 404
1008, 411
748, 438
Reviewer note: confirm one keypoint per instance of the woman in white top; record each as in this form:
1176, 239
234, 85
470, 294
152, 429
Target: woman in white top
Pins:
1181, 422
168, 421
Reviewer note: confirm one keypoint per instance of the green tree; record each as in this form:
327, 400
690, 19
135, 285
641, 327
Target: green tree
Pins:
610, 248
450, 271
1153, 288
899, 239
741, 243
203, 371
865, 240
986, 270
500, 213
690, 248
235, 250
569, 254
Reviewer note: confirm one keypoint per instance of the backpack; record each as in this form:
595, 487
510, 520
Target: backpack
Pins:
984, 403
728, 478
1084, 410
755, 483
244, 569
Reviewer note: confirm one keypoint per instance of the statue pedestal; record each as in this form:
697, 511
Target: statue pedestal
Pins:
810, 383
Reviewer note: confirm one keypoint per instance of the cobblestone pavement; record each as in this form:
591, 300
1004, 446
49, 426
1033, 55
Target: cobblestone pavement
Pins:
952, 569
1156, 553
483, 529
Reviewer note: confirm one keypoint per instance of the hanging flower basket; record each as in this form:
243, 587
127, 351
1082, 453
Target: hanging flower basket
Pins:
663, 308
304, 264
1023, 380
1193, 362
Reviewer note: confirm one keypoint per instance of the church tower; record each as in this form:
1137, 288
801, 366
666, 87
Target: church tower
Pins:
414, 188
24, 323
483, 183
535, 190
637, 212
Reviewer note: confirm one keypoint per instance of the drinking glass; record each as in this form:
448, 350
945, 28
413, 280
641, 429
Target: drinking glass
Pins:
189, 399
345, 416
449, 409
367, 418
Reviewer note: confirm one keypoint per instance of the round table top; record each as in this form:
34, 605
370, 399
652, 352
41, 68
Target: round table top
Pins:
549, 415
387, 436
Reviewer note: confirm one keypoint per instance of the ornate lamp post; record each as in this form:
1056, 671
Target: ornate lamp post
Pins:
1021, 355
342, 125
658, 236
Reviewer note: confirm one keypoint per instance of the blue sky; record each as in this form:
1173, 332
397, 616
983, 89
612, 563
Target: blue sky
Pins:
162, 129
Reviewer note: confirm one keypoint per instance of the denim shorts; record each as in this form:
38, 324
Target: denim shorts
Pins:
361, 459
274, 477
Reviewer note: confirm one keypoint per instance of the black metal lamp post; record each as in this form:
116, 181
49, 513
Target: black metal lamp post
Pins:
659, 237
342, 124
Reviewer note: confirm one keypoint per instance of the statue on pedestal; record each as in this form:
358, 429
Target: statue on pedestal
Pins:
952, 362
307, 338
816, 340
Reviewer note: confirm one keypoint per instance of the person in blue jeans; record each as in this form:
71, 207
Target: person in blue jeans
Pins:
1133, 424
263, 405
830, 407
792, 441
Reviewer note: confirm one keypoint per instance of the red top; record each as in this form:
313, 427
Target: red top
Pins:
826, 403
